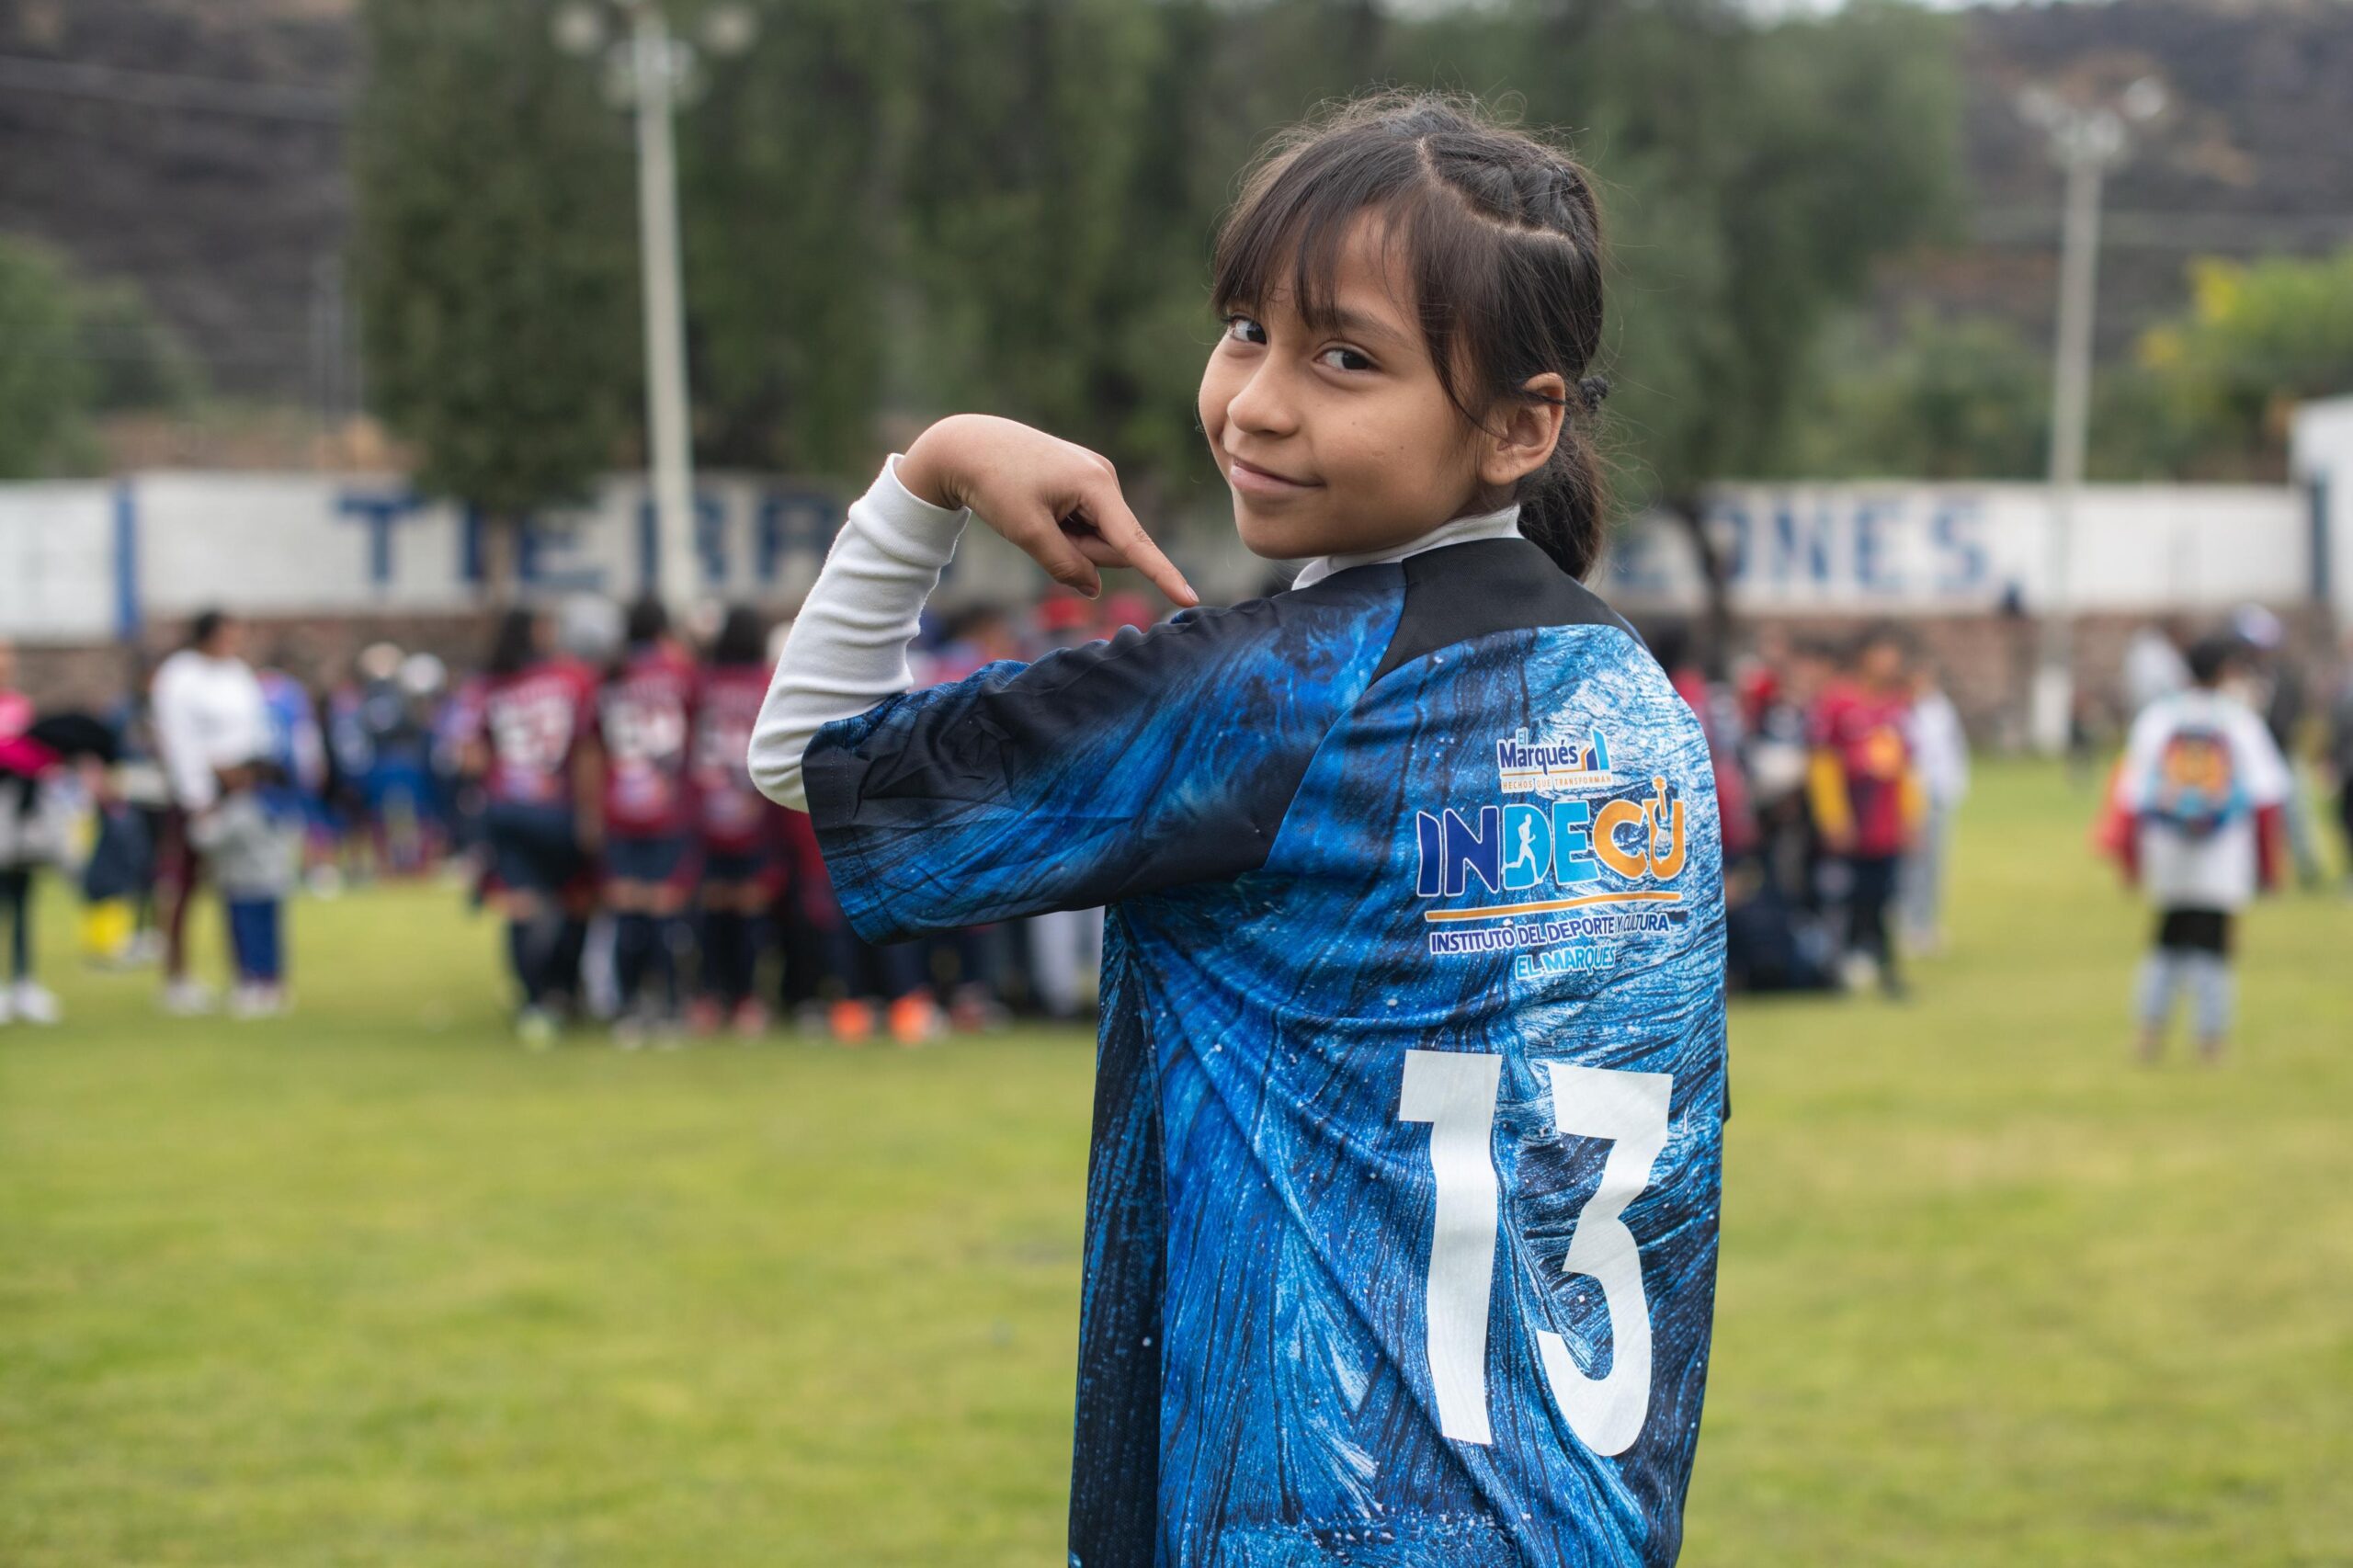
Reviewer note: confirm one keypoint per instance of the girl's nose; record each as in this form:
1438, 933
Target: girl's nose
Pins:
1264, 404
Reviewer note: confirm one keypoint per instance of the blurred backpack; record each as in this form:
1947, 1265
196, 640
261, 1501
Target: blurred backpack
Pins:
2195, 791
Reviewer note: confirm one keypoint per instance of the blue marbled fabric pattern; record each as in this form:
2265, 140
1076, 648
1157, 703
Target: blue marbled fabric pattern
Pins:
1296, 1414
1257, 1385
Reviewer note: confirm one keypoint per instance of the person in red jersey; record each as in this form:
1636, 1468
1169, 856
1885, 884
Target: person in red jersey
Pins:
638, 805
1866, 793
521, 743
739, 828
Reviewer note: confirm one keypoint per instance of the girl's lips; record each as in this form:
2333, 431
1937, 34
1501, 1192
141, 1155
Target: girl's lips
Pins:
1259, 482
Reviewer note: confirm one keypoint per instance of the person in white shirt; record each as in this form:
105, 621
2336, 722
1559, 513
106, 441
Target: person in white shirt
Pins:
1941, 751
2204, 784
211, 719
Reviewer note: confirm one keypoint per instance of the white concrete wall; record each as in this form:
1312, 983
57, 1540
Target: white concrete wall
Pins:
83, 563
1904, 548
2321, 457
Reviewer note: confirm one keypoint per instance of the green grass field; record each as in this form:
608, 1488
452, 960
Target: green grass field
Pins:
369, 1285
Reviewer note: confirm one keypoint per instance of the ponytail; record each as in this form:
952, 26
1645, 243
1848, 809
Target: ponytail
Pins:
1565, 506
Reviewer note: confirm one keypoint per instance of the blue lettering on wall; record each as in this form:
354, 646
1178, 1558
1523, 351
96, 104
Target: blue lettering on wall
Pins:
1956, 530
1732, 534
540, 546
380, 513
710, 539
1800, 541
1875, 572
791, 522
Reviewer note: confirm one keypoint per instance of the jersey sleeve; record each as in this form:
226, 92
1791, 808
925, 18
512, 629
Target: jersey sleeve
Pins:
1097, 773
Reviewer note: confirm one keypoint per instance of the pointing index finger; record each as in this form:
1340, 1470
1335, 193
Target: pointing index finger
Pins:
1116, 524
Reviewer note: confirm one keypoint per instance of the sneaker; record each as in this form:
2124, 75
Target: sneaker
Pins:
251, 1001
916, 1019
704, 1016
535, 1026
1858, 972
751, 1019
976, 1012
187, 998
851, 1020
34, 1005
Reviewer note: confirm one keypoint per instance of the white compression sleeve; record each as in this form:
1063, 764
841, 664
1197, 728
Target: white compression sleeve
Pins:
848, 649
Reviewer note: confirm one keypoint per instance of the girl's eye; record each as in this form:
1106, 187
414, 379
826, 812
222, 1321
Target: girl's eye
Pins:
1239, 327
1341, 358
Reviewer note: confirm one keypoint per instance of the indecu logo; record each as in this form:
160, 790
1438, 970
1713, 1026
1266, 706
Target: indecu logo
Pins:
1519, 845
1604, 861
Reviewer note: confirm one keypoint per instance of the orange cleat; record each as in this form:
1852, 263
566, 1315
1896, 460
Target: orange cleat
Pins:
916, 1019
852, 1021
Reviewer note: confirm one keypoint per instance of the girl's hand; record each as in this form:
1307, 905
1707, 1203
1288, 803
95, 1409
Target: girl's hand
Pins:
1055, 499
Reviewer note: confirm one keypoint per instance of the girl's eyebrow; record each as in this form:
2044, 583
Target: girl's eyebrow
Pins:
1357, 323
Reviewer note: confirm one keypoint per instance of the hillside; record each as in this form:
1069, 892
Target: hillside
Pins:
230, 208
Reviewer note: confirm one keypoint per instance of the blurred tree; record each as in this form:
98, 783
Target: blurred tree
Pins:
786, 201
1964, 399
137, 363
2258, 338
914, 206
1023, 243
46, 387
1753, 175
494, 257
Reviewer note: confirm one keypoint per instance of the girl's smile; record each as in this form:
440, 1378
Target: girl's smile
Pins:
1266, 482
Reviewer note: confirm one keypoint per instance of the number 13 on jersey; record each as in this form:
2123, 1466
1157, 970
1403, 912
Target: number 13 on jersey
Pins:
1454, 1092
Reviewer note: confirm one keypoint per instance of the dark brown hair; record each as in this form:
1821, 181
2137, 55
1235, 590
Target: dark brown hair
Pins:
1502, 237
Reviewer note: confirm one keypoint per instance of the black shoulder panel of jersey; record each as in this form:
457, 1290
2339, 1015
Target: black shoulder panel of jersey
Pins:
1485, 585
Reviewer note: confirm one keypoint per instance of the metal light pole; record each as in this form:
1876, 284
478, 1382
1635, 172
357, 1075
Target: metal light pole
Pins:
651, 72
2084, 141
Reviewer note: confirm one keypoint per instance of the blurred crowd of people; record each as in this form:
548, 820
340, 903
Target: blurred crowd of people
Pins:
1840, 765
585, 780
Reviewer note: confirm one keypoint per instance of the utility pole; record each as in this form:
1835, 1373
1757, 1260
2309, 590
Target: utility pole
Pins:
651, 72
2084, 142
672, 452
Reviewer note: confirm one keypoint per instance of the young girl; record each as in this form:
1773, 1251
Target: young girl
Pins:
741, 847
638, 807
1401, 1226
522, 745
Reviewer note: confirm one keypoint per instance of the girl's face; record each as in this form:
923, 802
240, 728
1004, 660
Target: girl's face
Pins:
1344, 441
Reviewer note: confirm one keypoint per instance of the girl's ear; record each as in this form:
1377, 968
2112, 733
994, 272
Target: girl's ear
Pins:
1523, 443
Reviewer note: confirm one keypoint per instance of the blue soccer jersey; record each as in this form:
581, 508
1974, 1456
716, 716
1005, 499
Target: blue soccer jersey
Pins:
1400, 1224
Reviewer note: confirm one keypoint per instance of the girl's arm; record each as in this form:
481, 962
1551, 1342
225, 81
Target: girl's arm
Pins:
848, 649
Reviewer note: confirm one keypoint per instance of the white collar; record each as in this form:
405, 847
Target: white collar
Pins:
1456, 530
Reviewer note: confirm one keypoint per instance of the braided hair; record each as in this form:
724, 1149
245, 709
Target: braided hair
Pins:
1502, 236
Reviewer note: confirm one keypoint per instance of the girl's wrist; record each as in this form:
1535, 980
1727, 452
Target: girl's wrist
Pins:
926, 468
